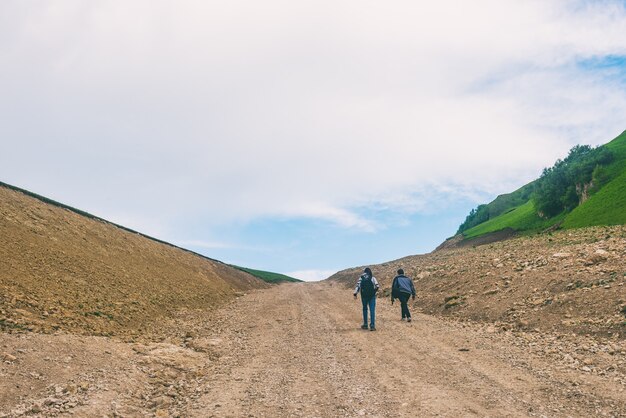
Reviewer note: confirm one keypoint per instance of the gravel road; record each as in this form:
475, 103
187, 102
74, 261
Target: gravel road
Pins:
297, 350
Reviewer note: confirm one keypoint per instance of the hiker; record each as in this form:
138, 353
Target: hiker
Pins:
402, 288
368, 285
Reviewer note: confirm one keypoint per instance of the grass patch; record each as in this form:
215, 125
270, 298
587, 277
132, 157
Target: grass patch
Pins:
618, 147
606, 207
452, 301
99, 314
268, 276
5, 326
521, 218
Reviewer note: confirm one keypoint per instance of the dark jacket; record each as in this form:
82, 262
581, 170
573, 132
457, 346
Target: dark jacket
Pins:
402, 284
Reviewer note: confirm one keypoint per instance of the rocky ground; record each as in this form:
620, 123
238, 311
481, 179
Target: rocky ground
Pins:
569, 281
297, 350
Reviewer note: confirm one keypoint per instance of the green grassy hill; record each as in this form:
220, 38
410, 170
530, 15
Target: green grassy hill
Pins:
268, 276
608, 205
521, 218
518, 210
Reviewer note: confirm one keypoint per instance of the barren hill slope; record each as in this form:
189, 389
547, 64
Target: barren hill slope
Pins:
571, 281
61, 270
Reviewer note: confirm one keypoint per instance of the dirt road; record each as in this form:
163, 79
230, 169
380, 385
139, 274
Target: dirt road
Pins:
297, 350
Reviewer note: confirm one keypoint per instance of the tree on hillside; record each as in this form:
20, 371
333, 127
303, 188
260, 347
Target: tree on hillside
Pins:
475, 217
560, 187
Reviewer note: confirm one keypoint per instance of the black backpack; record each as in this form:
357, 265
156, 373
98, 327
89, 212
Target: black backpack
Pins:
367, 287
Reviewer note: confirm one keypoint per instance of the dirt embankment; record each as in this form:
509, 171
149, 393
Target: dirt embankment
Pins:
459, 241
570, 281
63, 271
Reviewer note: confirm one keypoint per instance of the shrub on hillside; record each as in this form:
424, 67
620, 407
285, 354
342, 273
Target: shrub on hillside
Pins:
475, 217
560, 187
599, 177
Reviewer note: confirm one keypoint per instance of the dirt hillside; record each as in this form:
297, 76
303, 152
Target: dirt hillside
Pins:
63, 271
570, 281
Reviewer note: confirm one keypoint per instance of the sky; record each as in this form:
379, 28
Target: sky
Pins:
301, 137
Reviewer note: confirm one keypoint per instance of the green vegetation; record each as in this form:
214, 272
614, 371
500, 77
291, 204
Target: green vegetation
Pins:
502, 204
562, 186
606, 207
7, 325
618, 147
99, 314
520, 218
586, 188
268, 276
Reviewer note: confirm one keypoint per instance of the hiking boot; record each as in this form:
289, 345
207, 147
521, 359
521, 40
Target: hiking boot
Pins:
372, 328
408, 319
404, 319
363, 326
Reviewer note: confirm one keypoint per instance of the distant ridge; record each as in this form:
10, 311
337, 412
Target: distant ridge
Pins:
268, 276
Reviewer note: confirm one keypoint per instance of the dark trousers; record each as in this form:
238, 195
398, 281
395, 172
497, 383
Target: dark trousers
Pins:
404, 299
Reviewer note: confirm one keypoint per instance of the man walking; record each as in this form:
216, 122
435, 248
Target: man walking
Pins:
368, 285
402, 288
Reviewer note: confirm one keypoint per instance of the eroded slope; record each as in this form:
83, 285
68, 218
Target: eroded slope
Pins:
571, 281
61, 270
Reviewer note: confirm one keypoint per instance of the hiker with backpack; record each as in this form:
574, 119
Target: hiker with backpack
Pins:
368, 286
402, 288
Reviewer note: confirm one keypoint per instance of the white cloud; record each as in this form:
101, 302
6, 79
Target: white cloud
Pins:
311, 275
338, 216
203, 244
231, 111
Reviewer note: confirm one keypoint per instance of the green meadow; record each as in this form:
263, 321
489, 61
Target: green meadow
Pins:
519, 210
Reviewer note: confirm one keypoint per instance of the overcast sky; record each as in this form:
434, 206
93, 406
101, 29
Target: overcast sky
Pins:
301, 137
